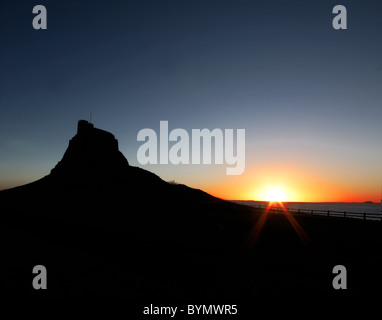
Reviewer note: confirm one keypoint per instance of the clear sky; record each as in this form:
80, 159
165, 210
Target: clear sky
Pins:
308, 96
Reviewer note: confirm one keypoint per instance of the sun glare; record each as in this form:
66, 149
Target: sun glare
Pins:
275, 194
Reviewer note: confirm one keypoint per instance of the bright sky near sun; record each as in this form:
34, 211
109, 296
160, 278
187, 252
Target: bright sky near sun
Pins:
308, 96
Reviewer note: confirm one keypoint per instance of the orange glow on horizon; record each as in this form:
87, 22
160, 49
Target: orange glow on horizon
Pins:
291, 184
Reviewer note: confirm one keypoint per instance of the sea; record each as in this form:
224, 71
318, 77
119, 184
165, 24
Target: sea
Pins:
356, 207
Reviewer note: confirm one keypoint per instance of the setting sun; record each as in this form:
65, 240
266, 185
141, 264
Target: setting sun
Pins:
275, 194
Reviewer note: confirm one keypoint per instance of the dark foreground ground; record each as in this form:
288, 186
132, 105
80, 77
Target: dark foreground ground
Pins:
205, 252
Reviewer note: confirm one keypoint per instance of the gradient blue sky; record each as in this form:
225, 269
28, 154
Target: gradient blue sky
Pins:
308, 96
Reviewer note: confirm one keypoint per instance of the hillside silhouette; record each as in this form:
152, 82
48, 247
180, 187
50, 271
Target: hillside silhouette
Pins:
94, 198
93, 171
104, 228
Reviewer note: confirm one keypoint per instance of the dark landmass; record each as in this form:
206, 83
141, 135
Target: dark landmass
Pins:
103, 228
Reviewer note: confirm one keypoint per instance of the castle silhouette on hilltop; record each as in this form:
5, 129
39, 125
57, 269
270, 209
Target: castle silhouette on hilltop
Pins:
91, 152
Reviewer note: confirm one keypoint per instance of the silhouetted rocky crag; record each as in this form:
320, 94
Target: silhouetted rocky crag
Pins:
94, 177
92, 153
